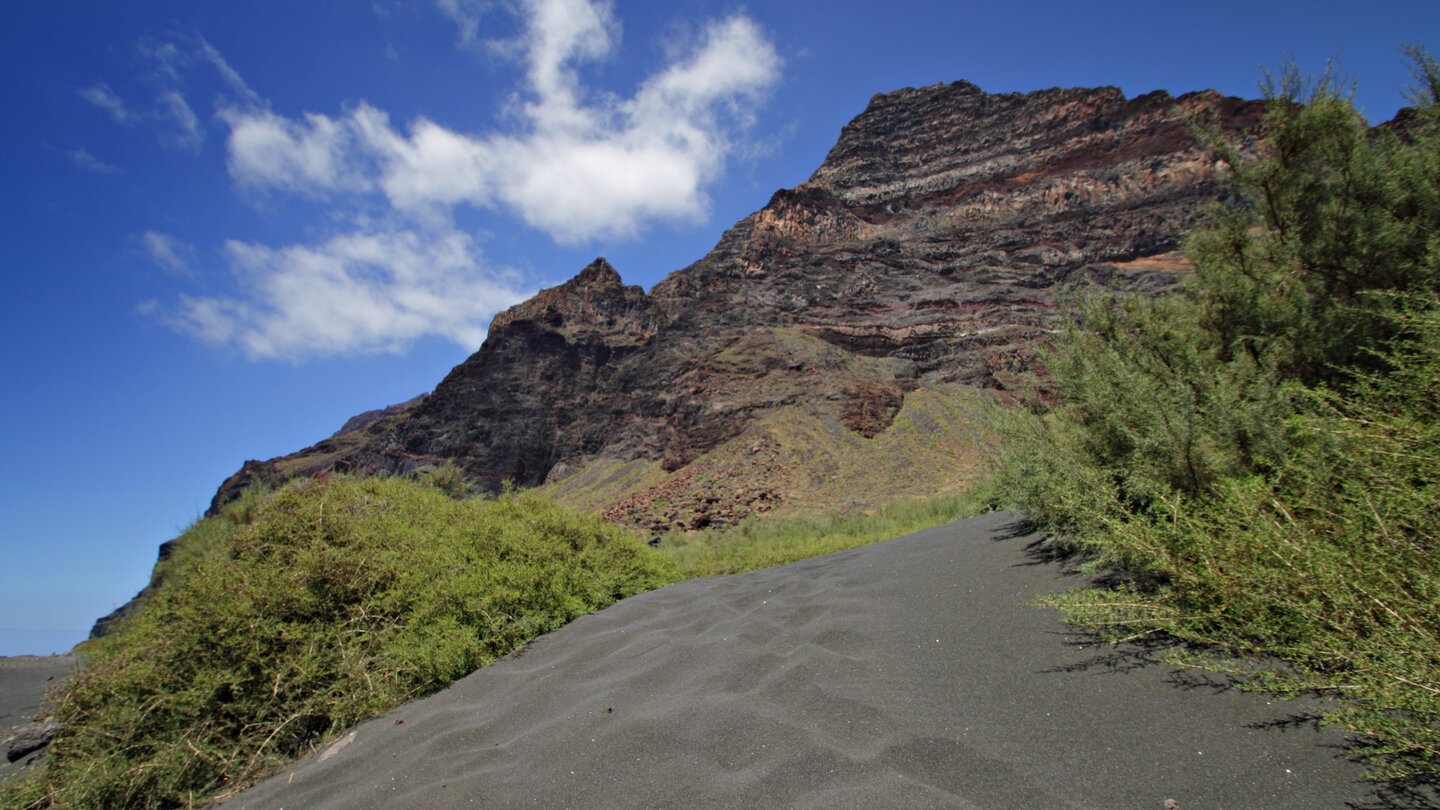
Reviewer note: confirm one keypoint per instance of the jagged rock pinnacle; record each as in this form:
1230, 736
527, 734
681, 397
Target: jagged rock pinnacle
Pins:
598, 272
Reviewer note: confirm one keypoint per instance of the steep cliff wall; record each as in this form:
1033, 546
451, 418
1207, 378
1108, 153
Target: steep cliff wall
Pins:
926, 251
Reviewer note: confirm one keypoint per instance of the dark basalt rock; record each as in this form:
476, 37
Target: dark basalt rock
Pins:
368, 418
30, 739
251, 472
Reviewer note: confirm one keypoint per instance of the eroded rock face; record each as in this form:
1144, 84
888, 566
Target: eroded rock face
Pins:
553, 380
927, 249
943, 220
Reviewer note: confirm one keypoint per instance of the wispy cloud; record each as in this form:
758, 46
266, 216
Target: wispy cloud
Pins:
466, 15
170, 253
106, 99
373, 290
165, 58
167, 64
585, 165
186, 125
310, 157
81, 157
228, 74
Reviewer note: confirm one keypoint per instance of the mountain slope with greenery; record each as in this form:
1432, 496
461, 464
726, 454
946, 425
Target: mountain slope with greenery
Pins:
297, 613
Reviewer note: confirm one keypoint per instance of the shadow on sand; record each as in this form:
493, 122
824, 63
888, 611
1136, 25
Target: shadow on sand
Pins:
1151, 651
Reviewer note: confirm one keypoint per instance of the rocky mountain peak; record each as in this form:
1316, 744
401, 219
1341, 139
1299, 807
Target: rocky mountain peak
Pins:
923, 255
598, 273
595, 302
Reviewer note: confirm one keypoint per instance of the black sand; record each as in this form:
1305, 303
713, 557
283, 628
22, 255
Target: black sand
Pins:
906, 674
23, 681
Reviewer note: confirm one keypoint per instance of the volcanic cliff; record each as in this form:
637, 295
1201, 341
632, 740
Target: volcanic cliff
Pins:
920, 262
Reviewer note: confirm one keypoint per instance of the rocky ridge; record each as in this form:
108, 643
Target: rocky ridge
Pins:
920, 261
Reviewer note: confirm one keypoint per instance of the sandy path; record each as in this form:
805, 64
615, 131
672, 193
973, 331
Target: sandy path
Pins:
905, 674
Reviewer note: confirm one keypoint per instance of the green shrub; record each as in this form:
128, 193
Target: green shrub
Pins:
1331, 565
330, 601
1257, 455
449, 478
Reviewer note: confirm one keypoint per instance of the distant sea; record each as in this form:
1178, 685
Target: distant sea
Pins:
15, 641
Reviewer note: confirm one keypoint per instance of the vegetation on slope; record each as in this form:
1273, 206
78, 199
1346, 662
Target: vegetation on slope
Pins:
794, 460
1257, 455
299, 612
758, 542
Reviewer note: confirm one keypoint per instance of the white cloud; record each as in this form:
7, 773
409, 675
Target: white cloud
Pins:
213, 320
375, 290
312, 157
560, 35
170, 253
734, 64
584, 172
584, 166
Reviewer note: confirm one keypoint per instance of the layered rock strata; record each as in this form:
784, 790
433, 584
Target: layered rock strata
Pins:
927, 249
925, 253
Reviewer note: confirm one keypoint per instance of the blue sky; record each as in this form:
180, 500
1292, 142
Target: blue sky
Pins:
228, 226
